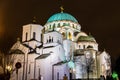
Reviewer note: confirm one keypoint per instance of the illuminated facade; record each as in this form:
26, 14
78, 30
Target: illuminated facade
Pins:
57, 48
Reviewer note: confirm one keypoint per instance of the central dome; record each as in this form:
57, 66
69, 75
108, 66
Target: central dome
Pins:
62, 16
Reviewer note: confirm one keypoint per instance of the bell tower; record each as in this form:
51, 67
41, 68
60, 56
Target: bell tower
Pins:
32, 34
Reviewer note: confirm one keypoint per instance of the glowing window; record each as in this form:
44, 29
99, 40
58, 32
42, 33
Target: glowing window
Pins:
69, 35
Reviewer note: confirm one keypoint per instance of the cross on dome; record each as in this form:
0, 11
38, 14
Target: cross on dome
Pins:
34, 20
62, 9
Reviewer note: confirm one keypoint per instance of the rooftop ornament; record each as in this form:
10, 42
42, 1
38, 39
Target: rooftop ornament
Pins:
62, 9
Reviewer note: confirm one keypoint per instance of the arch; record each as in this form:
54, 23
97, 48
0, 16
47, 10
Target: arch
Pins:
58, 25
50, 27
64, 24
26, 36
69, 36
53, 28
89, 46
34, 35
64, 35
79, 46
73, 25
54, 25
47, 41
84, 46
68, 24
80, 34
50, 39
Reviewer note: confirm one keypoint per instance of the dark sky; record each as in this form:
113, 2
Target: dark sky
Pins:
101, 18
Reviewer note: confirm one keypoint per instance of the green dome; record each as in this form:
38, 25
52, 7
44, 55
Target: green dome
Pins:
86, 38
61, 16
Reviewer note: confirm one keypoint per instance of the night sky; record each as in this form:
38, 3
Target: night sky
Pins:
101, 18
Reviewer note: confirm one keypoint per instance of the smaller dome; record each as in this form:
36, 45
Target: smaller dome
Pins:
62, 16
86, 38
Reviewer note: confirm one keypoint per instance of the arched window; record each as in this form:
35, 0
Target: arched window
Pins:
34, 35
63, 34
68, 24
79, 46
83, 46
53, 26
52, 39
73, 25
64, 24
26, 35
41, 38
58, 24
69, 36
76, 27
29, 68
50, 27
89, 46
49, 39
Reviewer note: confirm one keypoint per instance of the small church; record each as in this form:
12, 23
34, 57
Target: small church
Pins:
57, 49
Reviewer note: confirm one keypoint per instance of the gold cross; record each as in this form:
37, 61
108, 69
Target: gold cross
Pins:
61, 8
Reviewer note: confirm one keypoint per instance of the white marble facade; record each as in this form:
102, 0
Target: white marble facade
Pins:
45, 51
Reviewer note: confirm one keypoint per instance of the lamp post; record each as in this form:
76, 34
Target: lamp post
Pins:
9, 68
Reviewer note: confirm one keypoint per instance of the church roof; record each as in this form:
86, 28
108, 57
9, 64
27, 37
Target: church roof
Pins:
16, 51
43, 56
60, 63
62, 16
86, 38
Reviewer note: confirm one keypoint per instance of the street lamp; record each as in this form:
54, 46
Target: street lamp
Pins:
9, 68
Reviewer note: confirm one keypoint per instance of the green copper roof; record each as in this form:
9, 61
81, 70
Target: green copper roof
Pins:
61, 16
86, 38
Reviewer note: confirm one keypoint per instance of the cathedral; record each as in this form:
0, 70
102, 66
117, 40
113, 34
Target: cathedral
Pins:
57, 49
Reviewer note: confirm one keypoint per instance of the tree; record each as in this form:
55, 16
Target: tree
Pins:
117, 67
